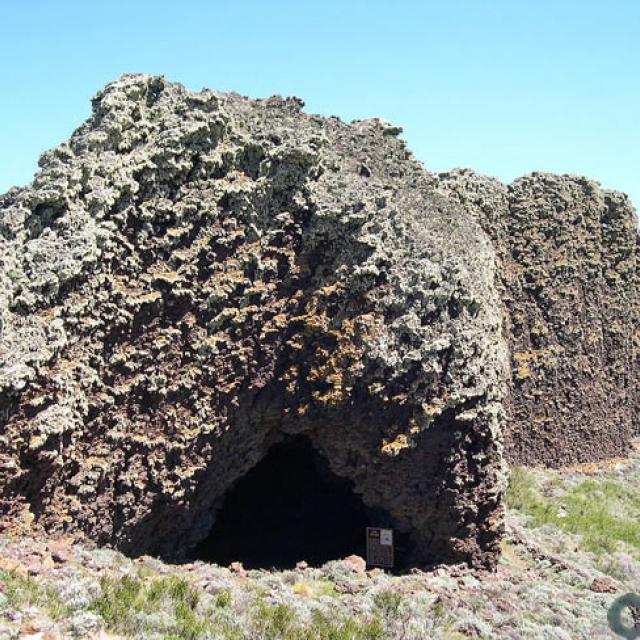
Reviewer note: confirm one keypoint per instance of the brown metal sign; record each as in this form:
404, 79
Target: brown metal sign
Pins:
379, 547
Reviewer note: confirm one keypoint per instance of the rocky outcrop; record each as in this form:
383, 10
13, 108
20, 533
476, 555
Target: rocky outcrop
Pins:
568, 265
193, 276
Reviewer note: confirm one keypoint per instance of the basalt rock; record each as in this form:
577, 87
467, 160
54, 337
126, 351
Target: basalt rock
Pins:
194, 277
569, 265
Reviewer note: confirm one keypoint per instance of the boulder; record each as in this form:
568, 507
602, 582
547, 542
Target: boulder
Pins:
193, 277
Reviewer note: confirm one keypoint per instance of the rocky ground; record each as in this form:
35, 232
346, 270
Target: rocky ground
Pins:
573, 547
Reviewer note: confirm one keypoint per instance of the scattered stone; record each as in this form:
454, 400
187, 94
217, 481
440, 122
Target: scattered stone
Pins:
365, 172
12, 565
345, 586
47, 561
30, 628
603, 584
477, 604
13, 616
355, 563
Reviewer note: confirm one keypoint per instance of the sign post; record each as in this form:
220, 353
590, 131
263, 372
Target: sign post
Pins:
380, 547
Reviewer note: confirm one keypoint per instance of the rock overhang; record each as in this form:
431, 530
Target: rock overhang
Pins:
192, 276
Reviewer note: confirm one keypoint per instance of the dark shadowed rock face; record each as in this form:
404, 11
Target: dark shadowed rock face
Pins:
568, 263
193, 277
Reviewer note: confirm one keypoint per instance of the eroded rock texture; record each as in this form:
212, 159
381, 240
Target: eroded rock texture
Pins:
568, 264
192, 276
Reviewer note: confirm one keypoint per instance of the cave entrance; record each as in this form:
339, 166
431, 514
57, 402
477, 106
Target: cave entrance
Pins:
289, 507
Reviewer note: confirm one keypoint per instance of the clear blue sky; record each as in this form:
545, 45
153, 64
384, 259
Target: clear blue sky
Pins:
505, 87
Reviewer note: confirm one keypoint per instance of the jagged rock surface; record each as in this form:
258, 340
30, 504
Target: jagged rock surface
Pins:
192, 276
568, 264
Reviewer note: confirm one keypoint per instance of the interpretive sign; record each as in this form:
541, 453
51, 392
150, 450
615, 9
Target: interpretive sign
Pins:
379, 547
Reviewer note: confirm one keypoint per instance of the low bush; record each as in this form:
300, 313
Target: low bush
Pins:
604, 513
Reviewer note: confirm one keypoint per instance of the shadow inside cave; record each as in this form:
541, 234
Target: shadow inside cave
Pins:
289, 507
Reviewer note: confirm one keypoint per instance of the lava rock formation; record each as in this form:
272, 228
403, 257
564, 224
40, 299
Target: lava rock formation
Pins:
193, 278
569, 265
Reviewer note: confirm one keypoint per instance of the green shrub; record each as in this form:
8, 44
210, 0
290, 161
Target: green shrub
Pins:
124, 597
603, 512
224, 599
279, 622
438, 611
119, 598
276, 622
389, 602
345, 628
22, 591
523, 495
325, 588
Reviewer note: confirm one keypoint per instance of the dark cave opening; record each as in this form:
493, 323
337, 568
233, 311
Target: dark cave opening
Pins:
289, 507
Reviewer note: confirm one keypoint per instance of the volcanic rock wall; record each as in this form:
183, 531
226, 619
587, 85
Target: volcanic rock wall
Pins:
193, 276
568, 264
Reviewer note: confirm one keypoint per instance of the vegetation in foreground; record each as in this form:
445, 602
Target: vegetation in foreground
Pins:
603, 512
572, 546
